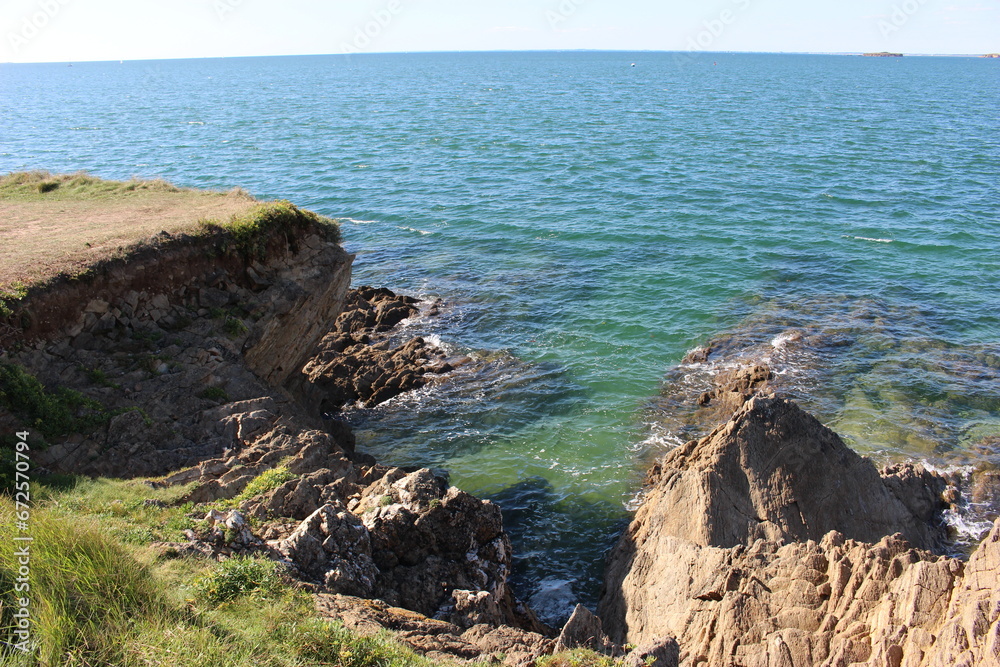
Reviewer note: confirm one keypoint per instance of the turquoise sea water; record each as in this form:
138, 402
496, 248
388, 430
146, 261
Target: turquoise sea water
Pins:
586, 224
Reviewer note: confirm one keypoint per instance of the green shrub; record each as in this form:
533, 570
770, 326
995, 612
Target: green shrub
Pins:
9, 295
52, 414
238, 577
214, 394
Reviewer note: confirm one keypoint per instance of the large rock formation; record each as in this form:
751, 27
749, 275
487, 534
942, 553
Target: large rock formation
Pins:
771, 543
358, 362
774, 472
409, 539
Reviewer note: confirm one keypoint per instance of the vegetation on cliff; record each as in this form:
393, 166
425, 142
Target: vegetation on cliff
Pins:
103, 596
66, 225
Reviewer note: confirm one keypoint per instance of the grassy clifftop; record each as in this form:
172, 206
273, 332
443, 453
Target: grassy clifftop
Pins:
53, 224
63, 225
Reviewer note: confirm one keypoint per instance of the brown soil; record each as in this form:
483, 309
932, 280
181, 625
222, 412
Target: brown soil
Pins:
41, 237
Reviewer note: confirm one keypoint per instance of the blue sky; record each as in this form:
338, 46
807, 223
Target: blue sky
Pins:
78, 30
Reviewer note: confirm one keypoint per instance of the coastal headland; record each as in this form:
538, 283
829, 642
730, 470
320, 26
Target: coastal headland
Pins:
176, 361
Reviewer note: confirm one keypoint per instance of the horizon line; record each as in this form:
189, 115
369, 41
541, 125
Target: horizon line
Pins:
416, 52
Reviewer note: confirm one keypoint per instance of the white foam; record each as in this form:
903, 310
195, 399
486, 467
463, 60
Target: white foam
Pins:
968, 529
553, 601
355, 221
660, 439
414, 229
781, 340
867, 238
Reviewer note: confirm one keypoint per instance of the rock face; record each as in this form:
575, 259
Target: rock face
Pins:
774, 472
410, 539
303, 300
770, 543
357, 362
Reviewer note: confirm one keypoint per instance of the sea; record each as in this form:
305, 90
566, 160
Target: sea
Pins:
586, 220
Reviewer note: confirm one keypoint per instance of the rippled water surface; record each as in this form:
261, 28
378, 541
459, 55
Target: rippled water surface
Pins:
586, 224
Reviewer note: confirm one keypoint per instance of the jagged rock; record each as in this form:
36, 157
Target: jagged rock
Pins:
733, 388
715, 558
425, 546
583, 629
355, 364
433, 638
661, 653
334, 547
774, 472
230, 528
518, 648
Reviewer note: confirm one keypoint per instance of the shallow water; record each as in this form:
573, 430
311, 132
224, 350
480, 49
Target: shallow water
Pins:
587, 223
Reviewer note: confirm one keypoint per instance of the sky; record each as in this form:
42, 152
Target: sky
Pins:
82, 30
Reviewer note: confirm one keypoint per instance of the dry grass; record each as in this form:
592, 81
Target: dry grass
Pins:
55, 224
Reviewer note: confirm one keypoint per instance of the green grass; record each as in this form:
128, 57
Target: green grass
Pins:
264, 482
233, 326
98, 600
9, 295
239, 577
252, 230
53, 414
42, 184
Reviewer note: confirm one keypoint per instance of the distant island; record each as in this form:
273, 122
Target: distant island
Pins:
883, 54
992, 55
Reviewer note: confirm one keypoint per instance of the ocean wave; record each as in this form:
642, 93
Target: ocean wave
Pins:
355, 221
868, 238
414, 229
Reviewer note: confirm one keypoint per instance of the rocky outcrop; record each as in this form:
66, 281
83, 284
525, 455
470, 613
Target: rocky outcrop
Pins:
358, 363
771, 543
773, 472
301, 301
436, 639
413, 541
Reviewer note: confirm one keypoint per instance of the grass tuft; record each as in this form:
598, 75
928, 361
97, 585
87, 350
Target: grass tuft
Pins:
264, 482
239, 577
86, 588
214, 394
